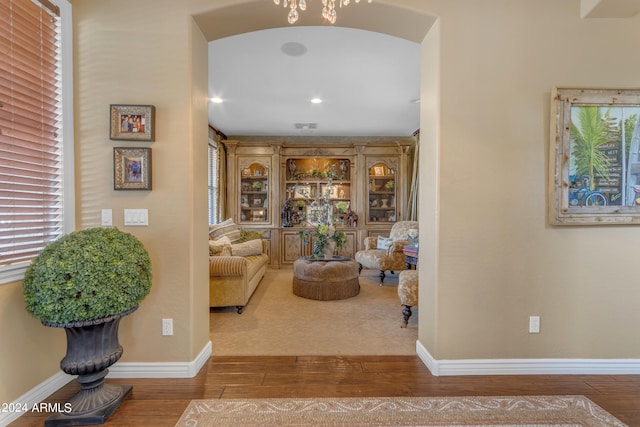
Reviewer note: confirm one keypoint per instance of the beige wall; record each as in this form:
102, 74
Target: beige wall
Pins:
498, 262
492, 258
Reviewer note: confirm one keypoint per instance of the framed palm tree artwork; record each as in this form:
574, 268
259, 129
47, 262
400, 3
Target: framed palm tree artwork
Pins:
594, 153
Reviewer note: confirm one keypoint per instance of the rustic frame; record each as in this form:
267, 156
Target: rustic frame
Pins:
124, 178
567, 204
144, 113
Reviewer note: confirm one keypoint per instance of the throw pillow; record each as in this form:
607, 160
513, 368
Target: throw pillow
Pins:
220, 247
225, 228
246, 235
251, 247
384, 242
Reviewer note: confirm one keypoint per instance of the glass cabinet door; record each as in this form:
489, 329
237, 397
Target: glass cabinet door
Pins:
382, 194
254, 194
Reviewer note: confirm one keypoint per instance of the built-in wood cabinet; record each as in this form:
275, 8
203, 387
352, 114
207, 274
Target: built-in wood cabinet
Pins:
381, 203
271, 183
254, 194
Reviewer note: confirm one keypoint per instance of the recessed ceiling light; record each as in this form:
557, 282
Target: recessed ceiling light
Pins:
216, 100
316, 101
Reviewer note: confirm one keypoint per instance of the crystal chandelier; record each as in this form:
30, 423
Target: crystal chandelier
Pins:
328, 11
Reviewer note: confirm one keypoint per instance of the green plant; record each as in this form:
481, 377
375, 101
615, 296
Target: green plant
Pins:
324, 230
86, 275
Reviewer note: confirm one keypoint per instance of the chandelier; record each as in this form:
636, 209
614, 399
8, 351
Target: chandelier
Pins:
328, 11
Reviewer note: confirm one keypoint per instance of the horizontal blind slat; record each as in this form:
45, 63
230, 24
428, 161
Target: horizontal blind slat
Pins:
30, 154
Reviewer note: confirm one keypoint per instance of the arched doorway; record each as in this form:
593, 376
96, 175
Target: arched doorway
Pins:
380, 17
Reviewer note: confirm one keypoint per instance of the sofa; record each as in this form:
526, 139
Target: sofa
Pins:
236, 268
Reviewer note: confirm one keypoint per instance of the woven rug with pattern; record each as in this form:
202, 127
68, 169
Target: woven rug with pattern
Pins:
522, 411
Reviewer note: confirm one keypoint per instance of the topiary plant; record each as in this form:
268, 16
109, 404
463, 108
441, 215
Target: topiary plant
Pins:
87, 275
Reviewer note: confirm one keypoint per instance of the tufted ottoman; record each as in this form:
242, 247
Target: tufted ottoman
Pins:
408, 292
325, 280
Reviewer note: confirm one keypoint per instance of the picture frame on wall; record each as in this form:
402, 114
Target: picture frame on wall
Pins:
131, 168
594, 164
132, 122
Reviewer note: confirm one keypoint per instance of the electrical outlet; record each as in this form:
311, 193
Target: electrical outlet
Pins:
534, 324
167, 327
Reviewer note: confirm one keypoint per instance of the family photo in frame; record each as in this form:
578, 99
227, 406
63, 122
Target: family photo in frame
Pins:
132, 122
132, 168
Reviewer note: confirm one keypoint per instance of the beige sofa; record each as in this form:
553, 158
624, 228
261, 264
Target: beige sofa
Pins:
233, 279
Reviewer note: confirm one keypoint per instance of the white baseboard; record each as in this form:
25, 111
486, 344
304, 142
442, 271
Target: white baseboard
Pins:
35, 395
118, 370
527, 366
161, 369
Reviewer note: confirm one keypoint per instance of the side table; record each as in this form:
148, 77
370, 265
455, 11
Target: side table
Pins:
410, 257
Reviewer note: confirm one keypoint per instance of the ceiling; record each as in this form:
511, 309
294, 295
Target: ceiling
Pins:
369, 82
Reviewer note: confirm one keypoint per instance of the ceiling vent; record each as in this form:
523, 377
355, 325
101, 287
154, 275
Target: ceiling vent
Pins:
305, 126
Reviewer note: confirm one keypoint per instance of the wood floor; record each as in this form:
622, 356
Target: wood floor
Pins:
160, 402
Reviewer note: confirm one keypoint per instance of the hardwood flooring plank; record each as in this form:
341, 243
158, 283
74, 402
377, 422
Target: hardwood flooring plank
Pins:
160, 402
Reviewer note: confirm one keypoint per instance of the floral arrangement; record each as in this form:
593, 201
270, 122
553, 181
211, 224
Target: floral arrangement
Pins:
324, 232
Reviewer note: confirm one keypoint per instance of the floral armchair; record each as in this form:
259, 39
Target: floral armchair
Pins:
385, 254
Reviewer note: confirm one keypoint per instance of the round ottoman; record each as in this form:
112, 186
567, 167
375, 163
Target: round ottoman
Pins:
325, 280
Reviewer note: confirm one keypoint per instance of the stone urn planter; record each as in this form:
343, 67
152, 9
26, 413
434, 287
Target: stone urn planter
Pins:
86, 282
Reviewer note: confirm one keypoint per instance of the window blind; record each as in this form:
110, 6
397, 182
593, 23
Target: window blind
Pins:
31, 204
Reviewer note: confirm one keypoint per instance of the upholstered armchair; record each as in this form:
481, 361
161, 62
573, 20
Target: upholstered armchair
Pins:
385, 254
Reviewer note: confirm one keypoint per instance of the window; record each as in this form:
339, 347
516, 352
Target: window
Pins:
213, 182
36, 131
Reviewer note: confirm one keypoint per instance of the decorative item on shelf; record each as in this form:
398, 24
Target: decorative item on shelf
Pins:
352, 218
324, 233
389, 185
385, 203
85, 282
292, 168
286, 212
257, 186
344, 168
342, 207
328, 11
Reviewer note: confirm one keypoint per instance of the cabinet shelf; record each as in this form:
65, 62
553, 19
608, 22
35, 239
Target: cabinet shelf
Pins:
381, 175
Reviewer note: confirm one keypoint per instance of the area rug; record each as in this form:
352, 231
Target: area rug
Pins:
276, 322
523, 411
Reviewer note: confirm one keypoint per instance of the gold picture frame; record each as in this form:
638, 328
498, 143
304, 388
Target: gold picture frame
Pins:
132, 122
131, 168
594, 164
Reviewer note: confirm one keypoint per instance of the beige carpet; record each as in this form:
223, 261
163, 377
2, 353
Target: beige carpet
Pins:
531, 411
278, 323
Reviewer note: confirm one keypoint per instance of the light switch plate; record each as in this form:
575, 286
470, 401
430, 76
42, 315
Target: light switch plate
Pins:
136, 217
106, 218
